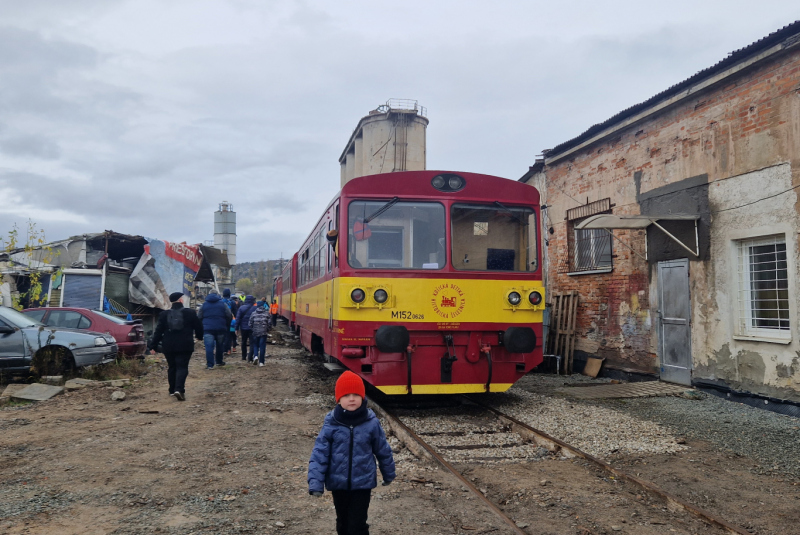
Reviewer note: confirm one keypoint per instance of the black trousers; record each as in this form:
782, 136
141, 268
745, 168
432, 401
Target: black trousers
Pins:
351, 511
245, 341
177, 371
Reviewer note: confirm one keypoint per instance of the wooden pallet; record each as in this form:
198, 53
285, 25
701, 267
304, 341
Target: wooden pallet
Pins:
561, 332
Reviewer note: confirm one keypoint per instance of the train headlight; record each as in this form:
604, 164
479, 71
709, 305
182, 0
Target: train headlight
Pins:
358, 295
535, 298
448, 182
380, 296
514, 298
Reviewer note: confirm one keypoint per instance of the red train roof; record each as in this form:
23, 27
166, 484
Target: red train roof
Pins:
417, 184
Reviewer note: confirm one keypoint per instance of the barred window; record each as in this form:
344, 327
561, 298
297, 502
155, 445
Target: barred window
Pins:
591, 249
763, 287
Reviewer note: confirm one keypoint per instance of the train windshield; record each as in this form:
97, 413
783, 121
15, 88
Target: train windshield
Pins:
396, 235
493, 237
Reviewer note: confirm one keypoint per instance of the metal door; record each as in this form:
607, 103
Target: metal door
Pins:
675, 335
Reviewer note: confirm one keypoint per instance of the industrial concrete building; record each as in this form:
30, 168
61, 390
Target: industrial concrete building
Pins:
677, 223
391, 138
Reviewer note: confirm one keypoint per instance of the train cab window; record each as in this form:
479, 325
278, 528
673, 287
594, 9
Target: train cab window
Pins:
396, 235
493, 237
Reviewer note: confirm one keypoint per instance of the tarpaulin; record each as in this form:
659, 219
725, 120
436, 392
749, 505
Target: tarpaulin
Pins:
164, 268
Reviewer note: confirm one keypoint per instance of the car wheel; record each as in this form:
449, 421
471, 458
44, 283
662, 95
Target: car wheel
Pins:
53, 360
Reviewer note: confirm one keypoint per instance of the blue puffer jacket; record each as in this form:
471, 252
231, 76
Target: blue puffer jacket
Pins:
215, 315
344, 456
243, 315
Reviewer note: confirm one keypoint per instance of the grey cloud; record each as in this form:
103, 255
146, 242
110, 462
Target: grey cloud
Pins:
33, 146
25, 51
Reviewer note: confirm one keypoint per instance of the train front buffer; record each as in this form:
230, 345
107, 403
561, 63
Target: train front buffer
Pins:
426, 336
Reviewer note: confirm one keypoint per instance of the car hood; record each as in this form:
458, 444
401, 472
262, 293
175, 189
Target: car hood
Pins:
46, 335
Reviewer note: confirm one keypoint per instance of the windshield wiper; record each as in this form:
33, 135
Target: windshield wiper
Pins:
507, 209
381, 210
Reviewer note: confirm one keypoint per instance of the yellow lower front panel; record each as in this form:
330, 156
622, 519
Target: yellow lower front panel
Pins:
394, 390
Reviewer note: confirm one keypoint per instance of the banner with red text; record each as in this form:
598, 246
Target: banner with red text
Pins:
164, 268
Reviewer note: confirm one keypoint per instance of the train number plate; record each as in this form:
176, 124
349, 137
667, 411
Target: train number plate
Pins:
406, 315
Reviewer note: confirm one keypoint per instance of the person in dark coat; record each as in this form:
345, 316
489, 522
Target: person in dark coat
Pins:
243, 324
260, 326
343, 459
216, 318
233, 304
177, 345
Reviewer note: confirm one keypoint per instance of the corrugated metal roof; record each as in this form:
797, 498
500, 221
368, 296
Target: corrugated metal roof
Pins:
734, 57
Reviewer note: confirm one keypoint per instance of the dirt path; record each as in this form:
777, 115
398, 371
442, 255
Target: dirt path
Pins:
232, 458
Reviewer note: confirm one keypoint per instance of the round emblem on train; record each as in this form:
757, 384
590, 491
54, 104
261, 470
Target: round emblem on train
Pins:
448, 300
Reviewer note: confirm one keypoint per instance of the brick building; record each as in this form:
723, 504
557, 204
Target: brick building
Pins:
677, 222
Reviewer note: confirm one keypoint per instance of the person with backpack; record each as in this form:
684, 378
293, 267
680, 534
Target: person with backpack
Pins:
174, 332
259, 326
243, 324
216, 318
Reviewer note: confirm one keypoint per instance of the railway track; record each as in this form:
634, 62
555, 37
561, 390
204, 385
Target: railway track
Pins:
471, 434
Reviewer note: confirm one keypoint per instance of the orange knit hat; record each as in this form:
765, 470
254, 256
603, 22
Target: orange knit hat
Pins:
349, 383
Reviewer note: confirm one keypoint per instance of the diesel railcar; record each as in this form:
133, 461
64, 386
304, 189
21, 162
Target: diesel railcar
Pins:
423, 282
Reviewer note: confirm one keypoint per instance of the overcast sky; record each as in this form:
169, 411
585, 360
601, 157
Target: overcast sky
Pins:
141, 116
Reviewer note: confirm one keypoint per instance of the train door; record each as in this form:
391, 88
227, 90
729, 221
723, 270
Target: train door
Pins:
330, 294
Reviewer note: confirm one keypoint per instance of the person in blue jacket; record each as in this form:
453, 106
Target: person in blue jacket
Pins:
343, 459
216, 318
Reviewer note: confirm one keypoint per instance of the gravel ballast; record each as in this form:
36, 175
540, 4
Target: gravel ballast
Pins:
771, 439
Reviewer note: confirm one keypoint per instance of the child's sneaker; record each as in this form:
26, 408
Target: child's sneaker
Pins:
260, 364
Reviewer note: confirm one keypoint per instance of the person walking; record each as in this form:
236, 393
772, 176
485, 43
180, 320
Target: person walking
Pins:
233, 304
243, 324
259, 325
216, 318
343, 459
174, 332
273, 309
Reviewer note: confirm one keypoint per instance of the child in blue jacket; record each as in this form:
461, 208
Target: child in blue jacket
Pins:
343, 460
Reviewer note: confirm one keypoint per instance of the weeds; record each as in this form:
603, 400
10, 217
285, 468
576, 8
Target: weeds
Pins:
12, 403
121, 368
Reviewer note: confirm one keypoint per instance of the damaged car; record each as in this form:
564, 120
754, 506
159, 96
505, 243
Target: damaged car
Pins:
27, 345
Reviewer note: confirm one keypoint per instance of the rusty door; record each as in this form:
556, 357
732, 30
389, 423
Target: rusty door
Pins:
674, 321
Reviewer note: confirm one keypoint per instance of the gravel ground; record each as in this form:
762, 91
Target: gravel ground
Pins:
771, 439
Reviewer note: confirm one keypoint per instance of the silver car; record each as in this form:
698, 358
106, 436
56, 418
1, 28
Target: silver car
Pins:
24, 341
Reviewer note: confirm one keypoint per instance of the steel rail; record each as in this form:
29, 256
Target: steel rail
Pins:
395, 421
673, 502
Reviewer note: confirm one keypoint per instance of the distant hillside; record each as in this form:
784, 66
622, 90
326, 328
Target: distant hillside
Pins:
256, 277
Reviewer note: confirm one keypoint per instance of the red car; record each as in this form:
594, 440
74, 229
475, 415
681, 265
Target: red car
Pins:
128, 334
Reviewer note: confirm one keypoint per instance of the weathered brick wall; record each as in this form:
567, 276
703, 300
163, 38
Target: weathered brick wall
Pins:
747, 122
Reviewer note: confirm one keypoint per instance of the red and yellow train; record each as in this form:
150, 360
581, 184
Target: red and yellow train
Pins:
423, 282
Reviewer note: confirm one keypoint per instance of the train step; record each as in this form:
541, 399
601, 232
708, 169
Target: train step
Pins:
332, 366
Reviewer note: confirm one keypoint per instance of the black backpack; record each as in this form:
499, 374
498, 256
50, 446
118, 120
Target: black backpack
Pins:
175, 320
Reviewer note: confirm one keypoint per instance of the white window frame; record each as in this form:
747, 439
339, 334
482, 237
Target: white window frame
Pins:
746, 315
594, 252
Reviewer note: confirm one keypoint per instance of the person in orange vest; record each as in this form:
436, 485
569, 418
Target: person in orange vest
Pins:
273, 309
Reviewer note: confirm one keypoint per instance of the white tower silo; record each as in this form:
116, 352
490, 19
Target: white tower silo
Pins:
225, 230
